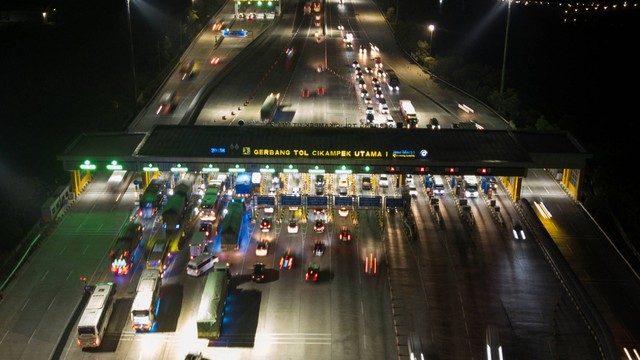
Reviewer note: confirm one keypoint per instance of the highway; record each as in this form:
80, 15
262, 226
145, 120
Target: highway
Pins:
448, 285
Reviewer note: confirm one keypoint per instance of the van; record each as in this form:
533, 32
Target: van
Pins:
201, 264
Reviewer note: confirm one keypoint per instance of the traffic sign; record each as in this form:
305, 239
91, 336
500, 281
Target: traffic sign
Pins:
317, 201
370, 201
290, 200
394, 202
266, 200
342, 201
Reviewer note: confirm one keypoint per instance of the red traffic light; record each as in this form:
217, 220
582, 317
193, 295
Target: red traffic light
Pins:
483, 171
422, 169
452, 170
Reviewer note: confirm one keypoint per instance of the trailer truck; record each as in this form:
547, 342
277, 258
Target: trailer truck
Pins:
214, 296
232, 225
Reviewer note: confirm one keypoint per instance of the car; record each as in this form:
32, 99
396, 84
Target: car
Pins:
379, 94
289, 52
319, 226
349, 46
319, 179
269, 210
363, 93
272, 191
312, 272
412, 190
344, 234
349, 36
369, 109
207, 228
363, 49
262, 247
370, 118
355, 64
319, 211
286, 261
371, 264
343, 191
383, 108
296, 191
167, 103
380, 73
408, 179
362, 84
215, 60
357, 70
378, 62
374, 47
367, 100
292, 228
390, 122
518, 231
384, 181
434, 124
318, 248
265, 225
368, 69
275, 180
193, 356
359, 75
217, 26
343, 211
258, 272
186, 70
319, 189
375, 81
377, 87
340, 27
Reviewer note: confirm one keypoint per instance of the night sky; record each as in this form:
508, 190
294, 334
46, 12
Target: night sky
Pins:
75, 76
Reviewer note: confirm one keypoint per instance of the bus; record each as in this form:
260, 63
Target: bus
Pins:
214, 296
95, 317
211, 203
269, 108
145, 304
470, 186
159, 256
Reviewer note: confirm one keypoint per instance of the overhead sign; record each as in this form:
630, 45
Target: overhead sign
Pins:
317, 153
394, 202
403, 154
370, 201
317, 201
265, 200
290, 200
342, 201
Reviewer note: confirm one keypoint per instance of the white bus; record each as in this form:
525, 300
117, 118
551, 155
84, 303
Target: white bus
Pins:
95, 317
144, 308
470, 186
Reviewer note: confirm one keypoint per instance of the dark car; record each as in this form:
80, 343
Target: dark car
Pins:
265, 225
186, 70
518, 231
258, 272
319, 226
312, 272
287, 260
193, 356
434, 124
345, 234
370, 118
318, 248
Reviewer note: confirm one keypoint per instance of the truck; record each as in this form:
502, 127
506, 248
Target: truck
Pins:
243, 184
144, 308
173, 213
151, 199
212, 303
211, 202
201, 239
269, 108
408, 113
122, 253
392, 80
232, 226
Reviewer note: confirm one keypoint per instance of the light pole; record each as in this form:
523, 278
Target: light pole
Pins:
431, 28
504, 55
133, 62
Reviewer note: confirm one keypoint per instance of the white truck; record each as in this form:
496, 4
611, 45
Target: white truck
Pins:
408, 113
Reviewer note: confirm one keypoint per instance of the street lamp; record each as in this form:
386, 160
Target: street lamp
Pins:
431, 28
504, 55
133, 63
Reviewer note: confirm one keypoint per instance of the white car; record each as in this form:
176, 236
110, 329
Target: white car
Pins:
384, 181
409, 179
262, 248
343, 211
292, 228
296, 191
390, 122
412, 190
